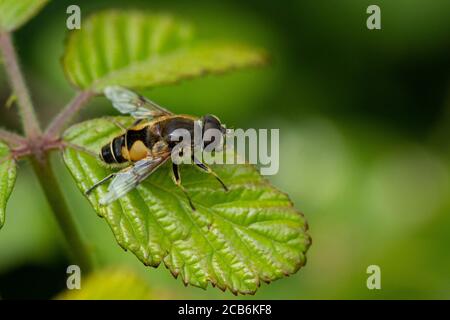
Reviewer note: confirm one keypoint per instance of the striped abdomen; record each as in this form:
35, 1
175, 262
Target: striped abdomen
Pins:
131, 146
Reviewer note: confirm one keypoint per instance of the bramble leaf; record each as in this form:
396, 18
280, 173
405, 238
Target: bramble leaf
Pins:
142, 50
7, 179
15, 13
234, 239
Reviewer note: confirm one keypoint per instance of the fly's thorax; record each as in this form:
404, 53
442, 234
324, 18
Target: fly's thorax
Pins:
174, 129
160, 148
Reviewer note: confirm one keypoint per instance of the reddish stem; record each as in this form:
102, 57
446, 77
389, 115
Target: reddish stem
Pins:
75, 105
29, 119
11, 138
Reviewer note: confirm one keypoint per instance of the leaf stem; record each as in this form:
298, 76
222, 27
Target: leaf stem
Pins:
68, 112
56, 200
26, 110
11, 137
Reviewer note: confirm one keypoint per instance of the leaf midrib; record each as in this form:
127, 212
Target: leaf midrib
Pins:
149, 62
193, 222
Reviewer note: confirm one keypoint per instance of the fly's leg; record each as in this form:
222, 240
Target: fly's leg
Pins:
79, 148
136, 122
118, 125
99, 183
207, 169
124, 129
106, 179
177, 180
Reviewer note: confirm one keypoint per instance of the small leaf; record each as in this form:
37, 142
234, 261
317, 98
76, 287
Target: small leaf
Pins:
114, 283
15, 13
7, 179
141, 50
234, 239
11, 100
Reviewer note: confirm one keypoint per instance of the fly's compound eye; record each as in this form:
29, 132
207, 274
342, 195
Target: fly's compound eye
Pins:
213, 132
211, 122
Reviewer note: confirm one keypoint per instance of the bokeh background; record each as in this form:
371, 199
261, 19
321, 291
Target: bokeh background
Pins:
364, 120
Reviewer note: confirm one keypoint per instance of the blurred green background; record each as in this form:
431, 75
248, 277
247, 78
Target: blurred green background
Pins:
364, 120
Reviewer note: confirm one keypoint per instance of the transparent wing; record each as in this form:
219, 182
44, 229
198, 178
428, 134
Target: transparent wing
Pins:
129, 178
129, 102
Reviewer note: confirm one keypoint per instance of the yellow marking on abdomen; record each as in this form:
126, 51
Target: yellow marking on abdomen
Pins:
138, 151
125, 153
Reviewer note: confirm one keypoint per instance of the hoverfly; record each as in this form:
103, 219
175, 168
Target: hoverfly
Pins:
148, 143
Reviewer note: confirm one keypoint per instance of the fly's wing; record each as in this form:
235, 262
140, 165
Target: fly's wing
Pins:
129, 178
129, 102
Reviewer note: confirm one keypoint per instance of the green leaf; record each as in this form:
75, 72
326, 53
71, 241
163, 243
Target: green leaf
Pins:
15, 13
114, 283
7, 179
234, 239
142, 50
